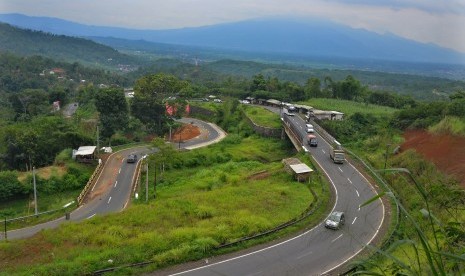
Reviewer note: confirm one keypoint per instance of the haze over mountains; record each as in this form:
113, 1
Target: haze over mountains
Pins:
273, 36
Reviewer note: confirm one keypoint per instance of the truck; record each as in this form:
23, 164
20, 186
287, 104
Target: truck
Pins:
336, 152
312, 141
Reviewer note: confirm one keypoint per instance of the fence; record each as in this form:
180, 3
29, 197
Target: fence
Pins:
95, 175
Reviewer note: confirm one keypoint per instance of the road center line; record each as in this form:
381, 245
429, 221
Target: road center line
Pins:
340, 169
349, 180
116, 183
354, 220
337, 238
91, 216
109, 200
357, 193
119, 171
304, 255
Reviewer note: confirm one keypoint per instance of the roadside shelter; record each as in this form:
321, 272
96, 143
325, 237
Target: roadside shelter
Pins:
85, 154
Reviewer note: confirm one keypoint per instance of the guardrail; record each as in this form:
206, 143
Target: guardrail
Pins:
96, 173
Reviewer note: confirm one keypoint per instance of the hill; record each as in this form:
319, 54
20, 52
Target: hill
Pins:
59, 47
275, 36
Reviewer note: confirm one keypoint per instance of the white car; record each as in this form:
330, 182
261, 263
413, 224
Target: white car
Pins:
309, 128
335, 220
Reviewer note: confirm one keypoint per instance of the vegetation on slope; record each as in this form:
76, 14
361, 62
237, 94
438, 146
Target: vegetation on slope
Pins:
60, 47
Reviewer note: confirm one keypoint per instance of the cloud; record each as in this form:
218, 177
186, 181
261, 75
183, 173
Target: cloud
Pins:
435, 21
430, 6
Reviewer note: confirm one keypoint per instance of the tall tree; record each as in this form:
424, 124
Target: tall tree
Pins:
151, 92
313, 88
258, 83
113, 109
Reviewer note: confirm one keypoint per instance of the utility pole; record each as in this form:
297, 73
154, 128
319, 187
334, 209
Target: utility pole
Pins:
147, 181
386, 155
98, 141
35, 189
155, 180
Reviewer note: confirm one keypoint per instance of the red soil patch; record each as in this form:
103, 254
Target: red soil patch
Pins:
184, 133
447, 152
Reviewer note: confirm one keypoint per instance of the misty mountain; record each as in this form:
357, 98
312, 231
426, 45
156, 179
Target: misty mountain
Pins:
274, 36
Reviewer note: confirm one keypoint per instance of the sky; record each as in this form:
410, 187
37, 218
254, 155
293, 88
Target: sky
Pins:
441, 22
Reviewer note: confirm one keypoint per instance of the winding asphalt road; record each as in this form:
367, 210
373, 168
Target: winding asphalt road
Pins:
112, 190
318, 251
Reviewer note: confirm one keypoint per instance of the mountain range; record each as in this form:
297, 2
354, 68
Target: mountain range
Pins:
265, 36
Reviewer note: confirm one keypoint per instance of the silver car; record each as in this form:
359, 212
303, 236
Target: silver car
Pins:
335, 220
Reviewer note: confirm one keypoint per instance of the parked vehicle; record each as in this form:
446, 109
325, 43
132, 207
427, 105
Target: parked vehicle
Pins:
335, 220
336, 152
312, 140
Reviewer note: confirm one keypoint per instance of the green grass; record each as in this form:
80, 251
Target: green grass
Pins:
262, 116
349, 107
22, 207
208, 105
449, 125
195, 210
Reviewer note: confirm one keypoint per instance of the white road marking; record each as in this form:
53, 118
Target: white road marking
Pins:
349, 180
116, 183
119, 171
109, 200
304, 255
354, 220
357, 193
91, 216
337, 238
340, 169
359, 207
323, 151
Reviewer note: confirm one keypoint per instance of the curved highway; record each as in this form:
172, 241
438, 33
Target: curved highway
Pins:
112, 190
319, 250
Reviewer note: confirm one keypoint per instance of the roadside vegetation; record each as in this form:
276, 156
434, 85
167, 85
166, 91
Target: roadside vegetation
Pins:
349, 107
262, 116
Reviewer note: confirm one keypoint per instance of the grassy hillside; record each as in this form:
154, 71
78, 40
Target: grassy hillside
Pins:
349, 107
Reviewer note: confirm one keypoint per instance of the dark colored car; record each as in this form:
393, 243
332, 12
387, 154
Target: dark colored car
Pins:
132, 158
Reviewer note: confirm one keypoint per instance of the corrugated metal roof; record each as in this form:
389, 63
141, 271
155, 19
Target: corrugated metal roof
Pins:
301, 168
85, 150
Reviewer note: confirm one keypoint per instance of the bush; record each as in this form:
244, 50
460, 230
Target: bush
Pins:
10, 187
65, 156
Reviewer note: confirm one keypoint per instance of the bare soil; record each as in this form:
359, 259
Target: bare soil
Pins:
447, 152
184, 133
